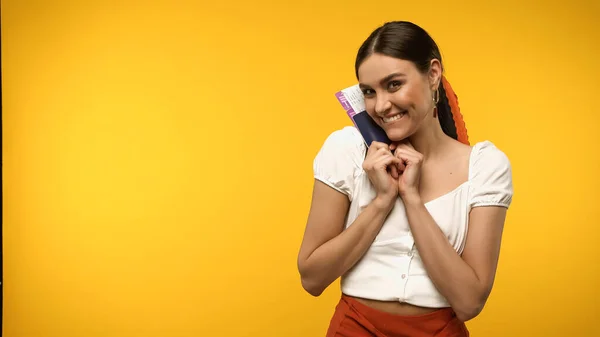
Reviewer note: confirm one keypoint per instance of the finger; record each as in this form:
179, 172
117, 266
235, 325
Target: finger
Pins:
394, 170
407, 155
373, 147
406, 161
376, 147
374, 155
384, 162
401, 166
384, 151
370, 150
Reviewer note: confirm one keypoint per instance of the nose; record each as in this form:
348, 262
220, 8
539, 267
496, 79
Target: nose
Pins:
382, 105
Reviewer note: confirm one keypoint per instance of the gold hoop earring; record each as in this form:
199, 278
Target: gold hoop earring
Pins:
436, 96
435, 99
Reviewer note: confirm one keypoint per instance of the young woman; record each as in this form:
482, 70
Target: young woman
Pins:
414, 228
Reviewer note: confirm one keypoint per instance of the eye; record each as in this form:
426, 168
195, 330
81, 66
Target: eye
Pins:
394, 85
367, 92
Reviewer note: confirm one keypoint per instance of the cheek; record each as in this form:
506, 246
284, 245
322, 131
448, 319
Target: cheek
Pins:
406, 99
370, 106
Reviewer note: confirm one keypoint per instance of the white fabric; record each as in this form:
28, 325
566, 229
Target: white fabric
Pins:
392, 269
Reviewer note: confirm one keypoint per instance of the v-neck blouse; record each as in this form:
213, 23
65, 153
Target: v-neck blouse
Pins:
392, 269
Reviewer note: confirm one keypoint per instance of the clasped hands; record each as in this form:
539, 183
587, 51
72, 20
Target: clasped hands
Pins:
394, 170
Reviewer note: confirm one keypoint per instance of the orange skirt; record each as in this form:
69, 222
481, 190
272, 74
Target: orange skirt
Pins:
354, 319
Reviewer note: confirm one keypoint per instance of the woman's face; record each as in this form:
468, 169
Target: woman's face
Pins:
397, 96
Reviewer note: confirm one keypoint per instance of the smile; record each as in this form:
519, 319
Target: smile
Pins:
393, 118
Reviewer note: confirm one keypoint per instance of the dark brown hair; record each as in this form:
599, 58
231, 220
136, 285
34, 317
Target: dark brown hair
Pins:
403, 40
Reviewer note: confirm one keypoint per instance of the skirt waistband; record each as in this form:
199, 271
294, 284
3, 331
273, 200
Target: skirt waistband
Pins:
353, 319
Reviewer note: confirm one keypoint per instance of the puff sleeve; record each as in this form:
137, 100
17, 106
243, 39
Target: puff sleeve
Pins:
338, 162
491, 177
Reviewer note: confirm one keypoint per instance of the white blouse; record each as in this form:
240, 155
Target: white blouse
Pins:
391, 270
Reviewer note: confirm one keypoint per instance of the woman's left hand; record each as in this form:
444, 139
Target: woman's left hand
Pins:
409, 169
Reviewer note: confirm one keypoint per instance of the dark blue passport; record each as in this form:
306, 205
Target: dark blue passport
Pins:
352, 100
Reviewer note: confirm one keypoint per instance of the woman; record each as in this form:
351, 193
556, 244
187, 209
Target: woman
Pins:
413, 228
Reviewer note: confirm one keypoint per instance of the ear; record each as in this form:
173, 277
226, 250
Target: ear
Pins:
435, 74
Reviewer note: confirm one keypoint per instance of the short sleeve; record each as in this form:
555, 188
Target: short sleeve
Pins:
491, 177
339, 160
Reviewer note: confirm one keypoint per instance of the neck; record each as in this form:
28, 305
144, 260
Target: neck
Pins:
430, 140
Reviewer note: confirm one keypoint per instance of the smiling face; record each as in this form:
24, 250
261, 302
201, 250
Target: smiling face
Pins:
397, 95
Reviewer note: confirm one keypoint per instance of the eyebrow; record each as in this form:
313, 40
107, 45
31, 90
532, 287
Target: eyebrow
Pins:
385, 79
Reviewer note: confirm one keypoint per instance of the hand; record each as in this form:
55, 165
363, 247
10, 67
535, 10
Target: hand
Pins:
381, 167
409, 168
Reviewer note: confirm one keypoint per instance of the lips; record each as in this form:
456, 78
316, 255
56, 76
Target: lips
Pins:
393, 118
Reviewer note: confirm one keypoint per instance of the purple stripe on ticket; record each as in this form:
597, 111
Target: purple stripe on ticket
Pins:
345, 104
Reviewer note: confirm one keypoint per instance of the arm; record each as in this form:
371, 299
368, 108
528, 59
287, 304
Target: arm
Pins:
327, 250
465, 282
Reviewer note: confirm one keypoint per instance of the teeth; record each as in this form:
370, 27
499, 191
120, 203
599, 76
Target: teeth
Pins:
393, 118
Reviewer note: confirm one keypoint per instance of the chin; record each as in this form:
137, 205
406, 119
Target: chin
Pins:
397, 135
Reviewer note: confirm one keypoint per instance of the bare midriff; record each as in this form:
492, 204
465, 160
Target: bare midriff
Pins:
396, 308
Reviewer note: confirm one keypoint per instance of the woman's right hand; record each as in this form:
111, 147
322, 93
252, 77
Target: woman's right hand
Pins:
381, 167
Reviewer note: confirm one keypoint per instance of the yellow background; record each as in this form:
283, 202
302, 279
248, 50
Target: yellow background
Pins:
157, 159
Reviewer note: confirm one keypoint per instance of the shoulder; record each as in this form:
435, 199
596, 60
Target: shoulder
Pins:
339, 160
490, 175
346, 137
487, 157
345, 143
